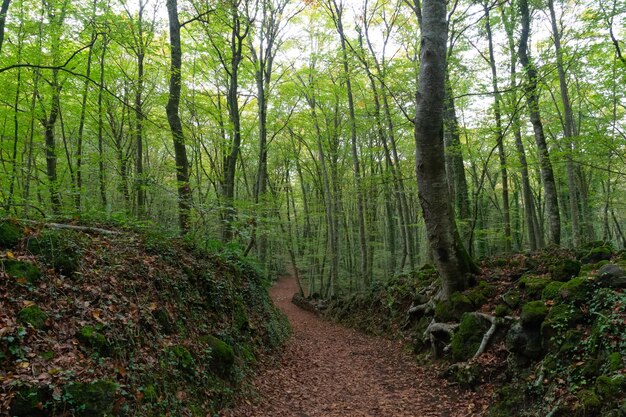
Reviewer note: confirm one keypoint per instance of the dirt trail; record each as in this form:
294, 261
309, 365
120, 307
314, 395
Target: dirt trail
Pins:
328, 370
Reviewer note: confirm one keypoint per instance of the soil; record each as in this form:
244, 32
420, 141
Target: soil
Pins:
328, 370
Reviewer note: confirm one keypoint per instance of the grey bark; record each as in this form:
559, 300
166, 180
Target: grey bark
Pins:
532, 101
451, 258
173, 118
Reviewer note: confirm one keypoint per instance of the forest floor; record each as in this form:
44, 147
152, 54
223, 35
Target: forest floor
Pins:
328, 370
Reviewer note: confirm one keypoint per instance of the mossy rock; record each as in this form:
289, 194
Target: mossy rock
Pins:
466, 340
560, 318
564, 270
29, 402
34, 316
576, 291
502, 310
480, 294
454, 308
93, 399
589, 401
551, 291
10, 234
89, 336
62, 249
587, 269
609, 388
222, 355
181, 357
524, 342
512, 298
533, 285
22, 270
533, 313
595, 252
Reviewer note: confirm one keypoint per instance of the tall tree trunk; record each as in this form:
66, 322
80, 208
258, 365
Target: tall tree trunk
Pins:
451, 258
535, 239
4, 9
173, 118
48, 124
506, 211
532, 101
81, 126
337, 14
101, 173
569, 129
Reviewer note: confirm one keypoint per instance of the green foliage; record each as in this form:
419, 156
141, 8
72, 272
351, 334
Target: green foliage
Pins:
34, 316
10, 234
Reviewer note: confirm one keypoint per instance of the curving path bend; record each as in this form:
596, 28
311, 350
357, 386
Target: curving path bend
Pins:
328, 370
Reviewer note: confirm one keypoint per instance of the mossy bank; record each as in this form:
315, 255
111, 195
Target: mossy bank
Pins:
126, 323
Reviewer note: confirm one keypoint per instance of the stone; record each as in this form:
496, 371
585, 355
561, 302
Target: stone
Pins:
453, 309
10, 234
512, 298
612, 276
467, 338
576, 291
29, 402
564, 270
34, 316
533, 314
524, 341
21, 270
533, 285
93, 399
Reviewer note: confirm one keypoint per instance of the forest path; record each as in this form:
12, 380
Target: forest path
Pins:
328, 370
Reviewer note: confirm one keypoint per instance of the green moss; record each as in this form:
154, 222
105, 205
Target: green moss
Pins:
565, 270
614, 362
94, 399
481, 293
533, 313
589, 400
586, 270
94, 339
32, 315
23, 270
48, 355
502, 310
551, 291
222, 356
576, 291
595, 252
63, 249
468, 337
533, 285
608, 388
29, 402
181, 357
10, 234
512, 298
453, 309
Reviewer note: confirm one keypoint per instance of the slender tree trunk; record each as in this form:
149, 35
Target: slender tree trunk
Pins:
101, 172
51, 158
506, 210
139, 117
4, 9
337, 13
569, 129
173, 118
81, 129
451, 258
532, 100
